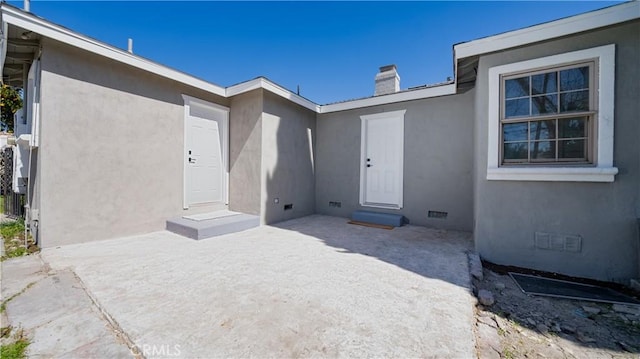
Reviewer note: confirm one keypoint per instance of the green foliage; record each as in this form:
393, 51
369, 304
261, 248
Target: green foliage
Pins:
11, 102
15, 244
11, 229
15, 350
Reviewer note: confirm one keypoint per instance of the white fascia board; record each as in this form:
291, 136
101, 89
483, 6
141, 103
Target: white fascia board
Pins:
47, 29
265, 84
554, 29
436, 91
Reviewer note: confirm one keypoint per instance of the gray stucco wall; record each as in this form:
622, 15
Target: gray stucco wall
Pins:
111, 152
508, 213
288, 140
245, 152
438, 152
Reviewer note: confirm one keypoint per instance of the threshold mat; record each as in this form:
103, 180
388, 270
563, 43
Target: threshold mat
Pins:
211, 215
373, 225
570, 290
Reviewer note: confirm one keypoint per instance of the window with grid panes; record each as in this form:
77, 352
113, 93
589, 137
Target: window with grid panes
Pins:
547, 115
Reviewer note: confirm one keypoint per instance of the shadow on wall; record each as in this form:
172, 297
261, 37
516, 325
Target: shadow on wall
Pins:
288, 135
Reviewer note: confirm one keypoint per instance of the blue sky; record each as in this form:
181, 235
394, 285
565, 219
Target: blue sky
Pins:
332, 50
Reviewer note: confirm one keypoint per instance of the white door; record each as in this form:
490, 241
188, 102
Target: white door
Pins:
382, 156
205, 152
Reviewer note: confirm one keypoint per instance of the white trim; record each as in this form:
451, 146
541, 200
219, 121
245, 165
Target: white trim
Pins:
605, 122
55, 32
188, 100
436, 91
266, 84
399, 115
554, 29
35, 103
583, 22
568, 174
185, 157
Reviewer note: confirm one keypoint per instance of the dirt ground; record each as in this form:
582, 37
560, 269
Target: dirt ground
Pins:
518, 325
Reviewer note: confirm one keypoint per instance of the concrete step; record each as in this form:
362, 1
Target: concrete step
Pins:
385, 219
212, 226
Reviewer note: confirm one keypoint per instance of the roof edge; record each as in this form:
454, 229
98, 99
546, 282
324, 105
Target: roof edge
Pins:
418, 94
266, 84
31, 22
557, 28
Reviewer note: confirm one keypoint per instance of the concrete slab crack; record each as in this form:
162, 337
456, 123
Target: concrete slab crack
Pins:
113, 324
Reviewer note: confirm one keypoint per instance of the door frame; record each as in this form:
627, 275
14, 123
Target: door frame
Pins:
394, 115
224, 143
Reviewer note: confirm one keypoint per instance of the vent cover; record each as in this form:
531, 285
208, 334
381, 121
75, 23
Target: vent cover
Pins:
437, 214
558, 242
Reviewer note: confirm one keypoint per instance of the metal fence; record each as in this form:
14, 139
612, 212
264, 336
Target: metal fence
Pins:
13, 202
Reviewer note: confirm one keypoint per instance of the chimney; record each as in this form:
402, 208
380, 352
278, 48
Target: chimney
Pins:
27, 5
387, 80
130, 46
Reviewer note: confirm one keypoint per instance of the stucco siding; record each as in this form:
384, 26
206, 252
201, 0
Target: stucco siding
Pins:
288, 140
438, 156
245, 141
508, 213
112, 142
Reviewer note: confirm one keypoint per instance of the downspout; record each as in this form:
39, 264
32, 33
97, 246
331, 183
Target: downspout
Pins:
35, 122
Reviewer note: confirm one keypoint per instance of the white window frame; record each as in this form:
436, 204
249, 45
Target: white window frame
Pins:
602, 169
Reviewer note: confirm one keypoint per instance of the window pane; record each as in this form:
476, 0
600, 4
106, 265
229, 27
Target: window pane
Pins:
515, 108
516, 87
572, 127
574, 79
541, 150
544, 83
544, 104
515, 151
574, 101
572, 149
514, 132
543, 130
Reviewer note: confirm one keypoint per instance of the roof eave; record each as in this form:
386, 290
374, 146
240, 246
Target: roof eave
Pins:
550, 30
28, 21
266, 84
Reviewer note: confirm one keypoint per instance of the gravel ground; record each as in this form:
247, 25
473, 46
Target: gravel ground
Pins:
518, 325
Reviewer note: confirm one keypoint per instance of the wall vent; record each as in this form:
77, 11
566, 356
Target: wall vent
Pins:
335, 204
558, 242
288, 206
437, 214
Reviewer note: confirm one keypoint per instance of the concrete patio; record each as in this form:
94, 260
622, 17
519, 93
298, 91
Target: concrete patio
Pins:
314, 286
